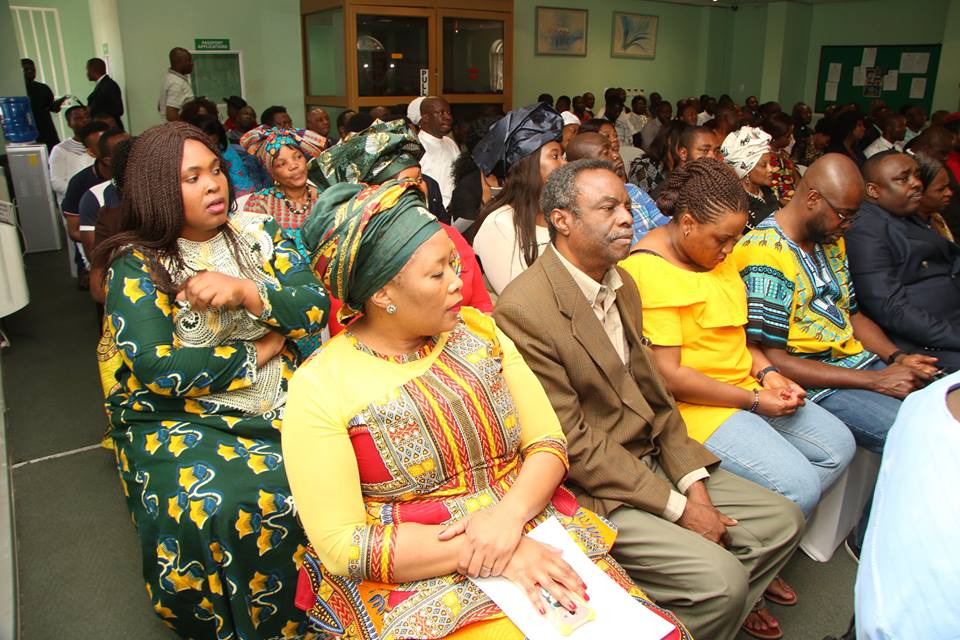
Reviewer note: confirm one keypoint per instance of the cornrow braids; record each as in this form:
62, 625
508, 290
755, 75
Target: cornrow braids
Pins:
152, 206
704, 188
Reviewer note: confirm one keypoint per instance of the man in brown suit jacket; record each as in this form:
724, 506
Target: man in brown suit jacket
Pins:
699, 540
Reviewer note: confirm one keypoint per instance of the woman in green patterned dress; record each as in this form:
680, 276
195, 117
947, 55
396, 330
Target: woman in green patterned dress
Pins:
203, 309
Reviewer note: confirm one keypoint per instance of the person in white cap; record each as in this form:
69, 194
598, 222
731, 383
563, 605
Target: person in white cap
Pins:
571, 127
413, 111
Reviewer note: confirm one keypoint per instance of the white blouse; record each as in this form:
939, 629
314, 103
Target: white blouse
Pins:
498, 248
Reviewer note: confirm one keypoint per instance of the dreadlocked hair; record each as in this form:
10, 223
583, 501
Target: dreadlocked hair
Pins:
704, 188
152, 207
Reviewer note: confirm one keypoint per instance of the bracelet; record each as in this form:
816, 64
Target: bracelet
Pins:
756, 401
765, 371
896, 354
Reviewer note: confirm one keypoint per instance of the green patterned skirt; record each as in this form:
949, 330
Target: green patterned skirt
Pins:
220, 539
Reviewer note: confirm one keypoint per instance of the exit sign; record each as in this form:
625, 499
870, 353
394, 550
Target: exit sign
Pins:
211, 44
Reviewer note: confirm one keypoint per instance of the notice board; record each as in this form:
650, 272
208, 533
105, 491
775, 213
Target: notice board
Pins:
896, 74
217, 75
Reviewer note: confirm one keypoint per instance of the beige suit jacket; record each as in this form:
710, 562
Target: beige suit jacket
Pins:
613, 415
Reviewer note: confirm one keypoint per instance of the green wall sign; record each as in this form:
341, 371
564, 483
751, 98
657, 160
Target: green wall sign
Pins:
211, 44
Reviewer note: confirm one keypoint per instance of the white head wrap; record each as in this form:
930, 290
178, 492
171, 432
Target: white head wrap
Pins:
744, 148
569, 118
413, 110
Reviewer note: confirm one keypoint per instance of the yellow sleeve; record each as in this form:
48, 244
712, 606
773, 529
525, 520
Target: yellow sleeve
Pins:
661, 325
322, 469
540, 429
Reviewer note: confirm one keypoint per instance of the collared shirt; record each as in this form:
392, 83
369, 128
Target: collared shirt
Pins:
176, 91
646, 215
910, 135
602, 296
437, 162
881, 144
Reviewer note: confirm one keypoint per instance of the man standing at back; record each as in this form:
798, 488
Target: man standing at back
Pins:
176, 85
440, 150
699, 540
105, 97
42, 104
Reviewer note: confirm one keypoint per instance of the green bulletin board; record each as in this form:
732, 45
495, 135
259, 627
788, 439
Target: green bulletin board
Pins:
218, 75
888, 58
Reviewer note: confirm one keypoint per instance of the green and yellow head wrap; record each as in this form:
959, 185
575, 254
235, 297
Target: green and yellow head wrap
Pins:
373, 156
359, 237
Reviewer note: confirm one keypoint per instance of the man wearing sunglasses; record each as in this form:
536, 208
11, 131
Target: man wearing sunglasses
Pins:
803, 310
907, 276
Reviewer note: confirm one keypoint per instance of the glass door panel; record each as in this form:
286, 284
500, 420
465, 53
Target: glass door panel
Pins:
473, 55
391, 52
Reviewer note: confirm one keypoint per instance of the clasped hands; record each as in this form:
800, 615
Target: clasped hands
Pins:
494, 545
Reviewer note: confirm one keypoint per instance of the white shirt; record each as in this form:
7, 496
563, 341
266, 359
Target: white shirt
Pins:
176, 90
498, 248
67, 159
702, 117
881, 144
437, 162
650, 132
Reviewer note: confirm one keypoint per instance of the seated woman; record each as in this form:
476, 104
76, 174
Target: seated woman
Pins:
441, 445
472, 188
386, 151
284, 153
730, 396
783, 172
649, 171
846, 131
203, 308
747, 152
937, 193
511, 231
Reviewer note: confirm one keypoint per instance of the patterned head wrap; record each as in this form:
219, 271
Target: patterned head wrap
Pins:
517, 135
266, 142
360, 236
744, 148
373, 156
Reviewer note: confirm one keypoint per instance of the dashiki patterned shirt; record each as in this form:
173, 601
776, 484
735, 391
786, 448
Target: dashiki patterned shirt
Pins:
800, 302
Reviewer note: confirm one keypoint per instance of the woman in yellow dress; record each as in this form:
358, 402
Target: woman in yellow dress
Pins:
433, 448
694, 314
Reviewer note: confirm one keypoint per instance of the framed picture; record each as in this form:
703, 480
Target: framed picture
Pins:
561, 32
634, 35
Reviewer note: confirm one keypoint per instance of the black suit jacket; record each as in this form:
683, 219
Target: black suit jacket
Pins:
906, 277
106, 98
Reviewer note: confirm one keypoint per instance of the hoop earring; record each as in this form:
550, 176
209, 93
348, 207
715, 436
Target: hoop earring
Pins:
391, 309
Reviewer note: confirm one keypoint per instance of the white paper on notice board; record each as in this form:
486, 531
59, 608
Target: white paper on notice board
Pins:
914, 62
830, 91
918, 88
859, 76
835, 70
869, 57
890, 81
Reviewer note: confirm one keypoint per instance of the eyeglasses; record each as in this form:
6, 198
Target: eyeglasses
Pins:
844, 219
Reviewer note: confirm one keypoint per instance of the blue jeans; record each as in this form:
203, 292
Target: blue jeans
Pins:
799, 456
869, 415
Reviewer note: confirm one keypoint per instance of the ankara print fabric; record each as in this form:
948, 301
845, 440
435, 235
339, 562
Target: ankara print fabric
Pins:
195, 428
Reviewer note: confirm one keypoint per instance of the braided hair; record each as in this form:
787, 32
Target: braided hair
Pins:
704, 188
152, 205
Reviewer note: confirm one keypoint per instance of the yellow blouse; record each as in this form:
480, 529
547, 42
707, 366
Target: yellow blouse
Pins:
703, 313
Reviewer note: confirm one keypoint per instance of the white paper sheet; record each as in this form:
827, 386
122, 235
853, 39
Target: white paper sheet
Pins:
914, 62
835, 70
890, 81
918, 88
830, 91
615, 609
859, 76
869, 57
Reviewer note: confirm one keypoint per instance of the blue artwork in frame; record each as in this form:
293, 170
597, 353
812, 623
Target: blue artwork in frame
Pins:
561, 32
634, 35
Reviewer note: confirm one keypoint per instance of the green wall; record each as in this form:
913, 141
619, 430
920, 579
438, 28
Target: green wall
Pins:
679, 69
77, 40
268, 34
746, 57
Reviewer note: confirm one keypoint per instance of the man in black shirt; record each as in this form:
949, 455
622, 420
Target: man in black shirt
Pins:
105, 97
42, 104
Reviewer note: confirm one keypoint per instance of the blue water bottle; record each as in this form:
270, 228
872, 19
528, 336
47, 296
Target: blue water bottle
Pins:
17, 119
